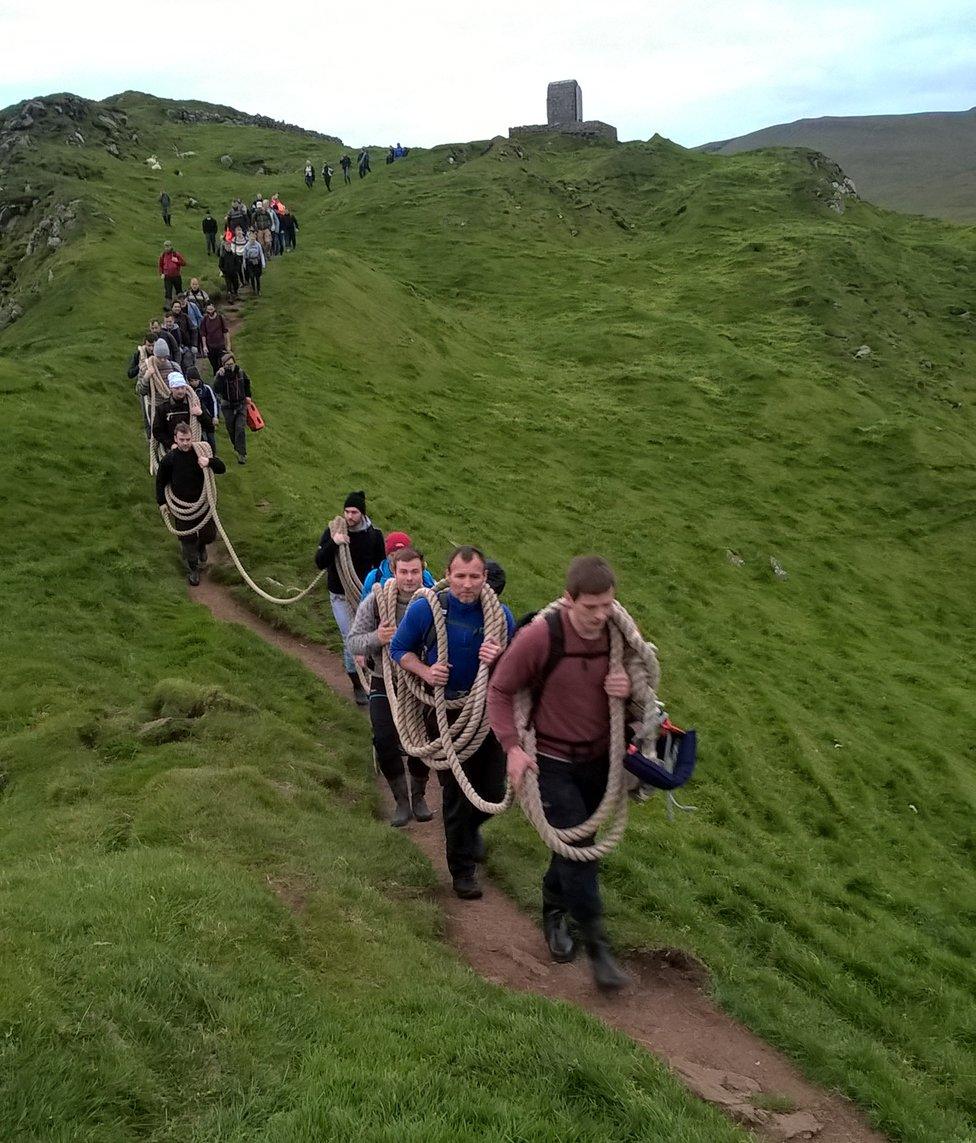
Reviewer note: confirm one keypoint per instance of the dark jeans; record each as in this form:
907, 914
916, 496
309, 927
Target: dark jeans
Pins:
386, 741
235, 420
570, 792
194, 546
214, 355
253, 274
211, 243
166, 218
345, 175
233, 282
211, 440
173, 286
486, 771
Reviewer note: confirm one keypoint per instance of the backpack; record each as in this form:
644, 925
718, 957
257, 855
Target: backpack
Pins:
557, 652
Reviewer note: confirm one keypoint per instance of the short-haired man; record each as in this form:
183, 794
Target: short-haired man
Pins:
365, 542
209, 228
415, 651
262, 223
208, 403
170, 265
181, 470
367, 637
571, 715
233, 386
214, 336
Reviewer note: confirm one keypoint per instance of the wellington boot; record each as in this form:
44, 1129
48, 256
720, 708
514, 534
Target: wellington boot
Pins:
609, 976
562, 948
421, 811
403, 813
360, 696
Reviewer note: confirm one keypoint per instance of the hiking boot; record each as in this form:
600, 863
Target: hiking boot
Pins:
609, 976
562, 947
402, 814
359, 695
480, 849
241, 459
467, 888
193, 577
421, 811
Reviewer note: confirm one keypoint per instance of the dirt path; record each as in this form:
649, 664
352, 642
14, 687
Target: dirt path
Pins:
665, 1010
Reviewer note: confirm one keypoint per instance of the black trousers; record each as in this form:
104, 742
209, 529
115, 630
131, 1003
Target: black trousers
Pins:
173, 286
194, 546
253, 276
211, 243
386, 741
214, 355
570, 792
486, 772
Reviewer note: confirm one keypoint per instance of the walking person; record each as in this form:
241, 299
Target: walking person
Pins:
181, 471
254, 263
209, 228
230, 265
365, 542
198, 295
214, 336
309, 174
233, 386
363, 163
182, 405
289, 224
164, 204
391, 545
261, 224
170, 265
208, 403
414, 649
327, 173
366, 639
563, 660
345, 162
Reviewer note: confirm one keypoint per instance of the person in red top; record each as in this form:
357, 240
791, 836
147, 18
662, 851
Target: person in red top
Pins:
171, 263
571, 716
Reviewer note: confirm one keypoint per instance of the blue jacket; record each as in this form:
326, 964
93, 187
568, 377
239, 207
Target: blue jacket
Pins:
465, 634
383, 573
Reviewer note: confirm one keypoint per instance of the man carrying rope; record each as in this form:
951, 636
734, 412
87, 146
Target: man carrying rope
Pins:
181, 471
367, 637
365, 546
563, 660
414, 649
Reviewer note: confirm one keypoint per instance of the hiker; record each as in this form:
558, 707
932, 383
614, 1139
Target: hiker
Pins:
236, 216
182, 405
194, 315
229, 264
571, 716
363, 163
390, 155
289, 224
366, 639
198, 295
254, 262
208, 402
416, 651
233, 386
399, 152
366, 548
327, 173
164, 204
142, 351
392, 544
309, 174
261, 224
171, 263
345, 162
156, 331
181, 470
277, 240
214, 337
181, 320
209, 228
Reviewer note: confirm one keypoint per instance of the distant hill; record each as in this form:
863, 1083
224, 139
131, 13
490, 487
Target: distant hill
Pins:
919, 164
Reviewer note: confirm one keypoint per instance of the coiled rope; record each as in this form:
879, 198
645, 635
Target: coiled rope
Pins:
630, 651
410, 699
352, 585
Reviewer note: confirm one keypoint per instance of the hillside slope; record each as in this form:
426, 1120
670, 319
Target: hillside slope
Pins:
551, 348
919, 164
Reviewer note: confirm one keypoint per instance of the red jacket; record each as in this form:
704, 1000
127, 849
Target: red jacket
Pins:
170, 263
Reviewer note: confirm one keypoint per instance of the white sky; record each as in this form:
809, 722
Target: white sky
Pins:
425, 72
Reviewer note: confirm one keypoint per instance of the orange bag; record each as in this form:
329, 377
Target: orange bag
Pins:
252, 415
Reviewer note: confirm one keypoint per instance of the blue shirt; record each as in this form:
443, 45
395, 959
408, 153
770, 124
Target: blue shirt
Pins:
465, 634
383, 573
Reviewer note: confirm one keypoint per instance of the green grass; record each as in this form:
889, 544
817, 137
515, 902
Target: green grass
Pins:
635, 350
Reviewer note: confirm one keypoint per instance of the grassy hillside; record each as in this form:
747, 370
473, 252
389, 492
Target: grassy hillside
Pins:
920, 164
634, 349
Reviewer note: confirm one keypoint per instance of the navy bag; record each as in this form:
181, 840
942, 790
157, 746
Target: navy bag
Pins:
676, 747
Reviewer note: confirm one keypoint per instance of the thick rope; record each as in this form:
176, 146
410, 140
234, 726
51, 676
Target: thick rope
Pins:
410, 699
159, 390
628, 650
352, 585
205, 508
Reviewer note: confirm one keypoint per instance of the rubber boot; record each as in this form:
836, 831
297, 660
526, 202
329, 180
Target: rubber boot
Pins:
562, 948
609, 976
402, 814
361, 697
421, 811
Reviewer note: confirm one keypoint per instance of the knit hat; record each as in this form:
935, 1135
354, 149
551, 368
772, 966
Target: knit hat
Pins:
395, 541
161, 347
176, 380
356, 500
495, 575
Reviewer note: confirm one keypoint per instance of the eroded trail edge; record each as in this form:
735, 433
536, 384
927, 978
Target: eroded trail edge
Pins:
665, 1010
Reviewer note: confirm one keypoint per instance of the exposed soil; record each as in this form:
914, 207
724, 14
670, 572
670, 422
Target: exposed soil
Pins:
665, 1009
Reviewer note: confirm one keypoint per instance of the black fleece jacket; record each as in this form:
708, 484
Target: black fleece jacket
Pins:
365, 547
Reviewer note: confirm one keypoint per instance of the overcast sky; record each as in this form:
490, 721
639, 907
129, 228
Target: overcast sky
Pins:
430, 72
